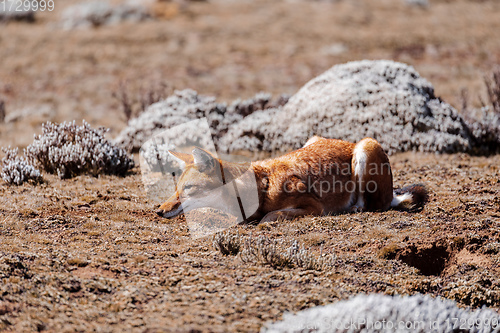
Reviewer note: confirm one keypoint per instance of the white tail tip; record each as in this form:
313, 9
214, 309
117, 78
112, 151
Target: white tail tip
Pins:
402, 200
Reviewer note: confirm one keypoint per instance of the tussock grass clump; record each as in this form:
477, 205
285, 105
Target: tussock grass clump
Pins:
76, 261
69, 150
278, 255
274, 253
227, 243
389, 251
16, 169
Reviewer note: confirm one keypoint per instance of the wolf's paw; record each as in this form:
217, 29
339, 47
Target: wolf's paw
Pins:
356, 209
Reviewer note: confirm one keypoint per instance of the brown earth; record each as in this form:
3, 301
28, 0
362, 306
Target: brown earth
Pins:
90, 254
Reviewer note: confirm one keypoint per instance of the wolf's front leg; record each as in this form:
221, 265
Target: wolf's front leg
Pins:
286, 214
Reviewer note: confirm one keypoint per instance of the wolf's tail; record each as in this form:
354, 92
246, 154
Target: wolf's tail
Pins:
410, 198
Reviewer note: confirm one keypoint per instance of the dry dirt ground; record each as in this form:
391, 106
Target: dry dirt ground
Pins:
89, 253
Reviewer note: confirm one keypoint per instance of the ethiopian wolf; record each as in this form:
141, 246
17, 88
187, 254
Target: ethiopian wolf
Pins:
326, 176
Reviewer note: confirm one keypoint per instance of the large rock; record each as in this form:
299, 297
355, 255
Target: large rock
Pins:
97, 13
14, 10
383, 99
386, 100
380, 313
187, 105
182, 107
254, 133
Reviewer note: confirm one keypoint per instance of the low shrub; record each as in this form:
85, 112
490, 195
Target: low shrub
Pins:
278, 255
227, 243
134, 103
17, 170
69, 150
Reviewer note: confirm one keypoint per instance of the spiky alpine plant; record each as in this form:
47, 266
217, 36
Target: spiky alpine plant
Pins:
16, 169
68, 150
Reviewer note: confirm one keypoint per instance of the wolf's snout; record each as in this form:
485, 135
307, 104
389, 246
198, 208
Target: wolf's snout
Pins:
166, 214
170, 209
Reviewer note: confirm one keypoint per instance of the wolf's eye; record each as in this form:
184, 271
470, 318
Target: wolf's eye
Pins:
187, 187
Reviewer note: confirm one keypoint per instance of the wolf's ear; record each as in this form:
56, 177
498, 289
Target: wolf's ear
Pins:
181, 158
203, 160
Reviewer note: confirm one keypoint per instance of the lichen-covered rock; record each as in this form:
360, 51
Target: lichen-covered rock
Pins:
69, 150
255, 132
17, 170
97, 13
184, 136
187, 105
15, 10
417, 3
381, 313
182, 107
382, 99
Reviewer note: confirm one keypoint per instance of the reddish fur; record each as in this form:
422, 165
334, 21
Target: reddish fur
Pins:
379, 171
283, 181
172, 203
300, 168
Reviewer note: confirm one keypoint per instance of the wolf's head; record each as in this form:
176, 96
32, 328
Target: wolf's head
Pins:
200, 184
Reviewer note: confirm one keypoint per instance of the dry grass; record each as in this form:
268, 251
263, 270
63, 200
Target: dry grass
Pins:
493, 88
275, 253
133, 104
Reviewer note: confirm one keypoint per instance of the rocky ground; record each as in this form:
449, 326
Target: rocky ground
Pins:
90, 254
